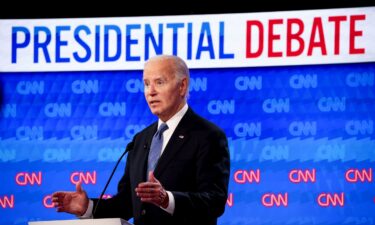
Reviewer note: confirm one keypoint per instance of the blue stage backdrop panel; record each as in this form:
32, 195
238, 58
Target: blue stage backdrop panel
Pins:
302, 140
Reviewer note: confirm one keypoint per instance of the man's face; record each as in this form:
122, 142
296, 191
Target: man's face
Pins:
164, 93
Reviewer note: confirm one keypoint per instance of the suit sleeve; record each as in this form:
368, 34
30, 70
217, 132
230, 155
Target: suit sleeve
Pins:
212, 177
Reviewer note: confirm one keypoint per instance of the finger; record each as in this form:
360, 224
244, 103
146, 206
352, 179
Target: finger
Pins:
79, 187
150, 200
55, 199
58, 198
151, 176
148, 185
144, 190
58, 202
57, 194
146, 195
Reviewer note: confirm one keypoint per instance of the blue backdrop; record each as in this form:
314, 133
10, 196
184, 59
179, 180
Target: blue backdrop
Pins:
301, 138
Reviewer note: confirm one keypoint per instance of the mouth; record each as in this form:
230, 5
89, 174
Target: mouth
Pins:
154, 102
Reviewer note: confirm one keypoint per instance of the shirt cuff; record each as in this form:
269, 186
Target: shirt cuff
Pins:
88, 213
171, 203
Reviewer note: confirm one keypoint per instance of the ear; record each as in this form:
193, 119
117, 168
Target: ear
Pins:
183, 86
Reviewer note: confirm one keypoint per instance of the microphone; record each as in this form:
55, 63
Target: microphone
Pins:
129, 147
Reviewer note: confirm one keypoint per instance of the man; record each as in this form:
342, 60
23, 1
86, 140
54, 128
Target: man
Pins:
189, 183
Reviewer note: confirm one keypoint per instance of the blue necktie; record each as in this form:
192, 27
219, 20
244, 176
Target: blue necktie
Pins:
156, 146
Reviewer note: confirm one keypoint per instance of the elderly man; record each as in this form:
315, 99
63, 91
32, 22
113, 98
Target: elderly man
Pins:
177, 172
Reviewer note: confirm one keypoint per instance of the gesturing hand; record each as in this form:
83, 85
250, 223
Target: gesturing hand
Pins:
71, 202
152, 192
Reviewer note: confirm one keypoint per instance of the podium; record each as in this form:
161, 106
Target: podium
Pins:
111, 221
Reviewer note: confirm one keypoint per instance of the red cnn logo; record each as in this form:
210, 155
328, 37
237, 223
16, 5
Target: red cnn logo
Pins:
298, 176
230, 200
24, 178
6, 202
243, 176
86, 178
355, 175
270, 200
327, 199
47, 201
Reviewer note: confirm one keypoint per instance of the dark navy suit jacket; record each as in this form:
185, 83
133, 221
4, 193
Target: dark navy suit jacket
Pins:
194, 166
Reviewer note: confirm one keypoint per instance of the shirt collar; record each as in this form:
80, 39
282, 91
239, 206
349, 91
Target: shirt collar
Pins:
175, 120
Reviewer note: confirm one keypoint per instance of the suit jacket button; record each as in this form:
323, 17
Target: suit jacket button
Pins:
143, 212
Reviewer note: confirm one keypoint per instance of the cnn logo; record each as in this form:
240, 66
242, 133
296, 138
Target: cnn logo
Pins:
83, 177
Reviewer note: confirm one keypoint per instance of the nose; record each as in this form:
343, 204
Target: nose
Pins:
151, 90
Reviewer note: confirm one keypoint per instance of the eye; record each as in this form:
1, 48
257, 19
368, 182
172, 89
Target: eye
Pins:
160, 82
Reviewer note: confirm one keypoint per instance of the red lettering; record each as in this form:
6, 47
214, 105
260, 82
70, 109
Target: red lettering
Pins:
298, 176
87, 178
24, 178
290, 36
230, 200
317, 27
337, 20
258, 52
5, 202
355, 33
355, 175
243, 176
47, 201
272, 37
270, 200
327, 199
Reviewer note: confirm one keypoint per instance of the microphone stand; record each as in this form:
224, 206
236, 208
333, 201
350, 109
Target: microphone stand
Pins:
128, 148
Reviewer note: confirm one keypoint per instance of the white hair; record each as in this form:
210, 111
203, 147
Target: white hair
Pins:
180, 68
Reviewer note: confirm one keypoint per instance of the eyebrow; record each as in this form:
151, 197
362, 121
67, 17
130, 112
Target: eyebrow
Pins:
158, 78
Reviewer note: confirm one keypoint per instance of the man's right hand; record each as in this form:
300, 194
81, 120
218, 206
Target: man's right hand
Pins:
71, 202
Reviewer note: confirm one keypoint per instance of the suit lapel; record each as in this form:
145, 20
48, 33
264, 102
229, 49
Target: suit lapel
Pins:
175, 144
